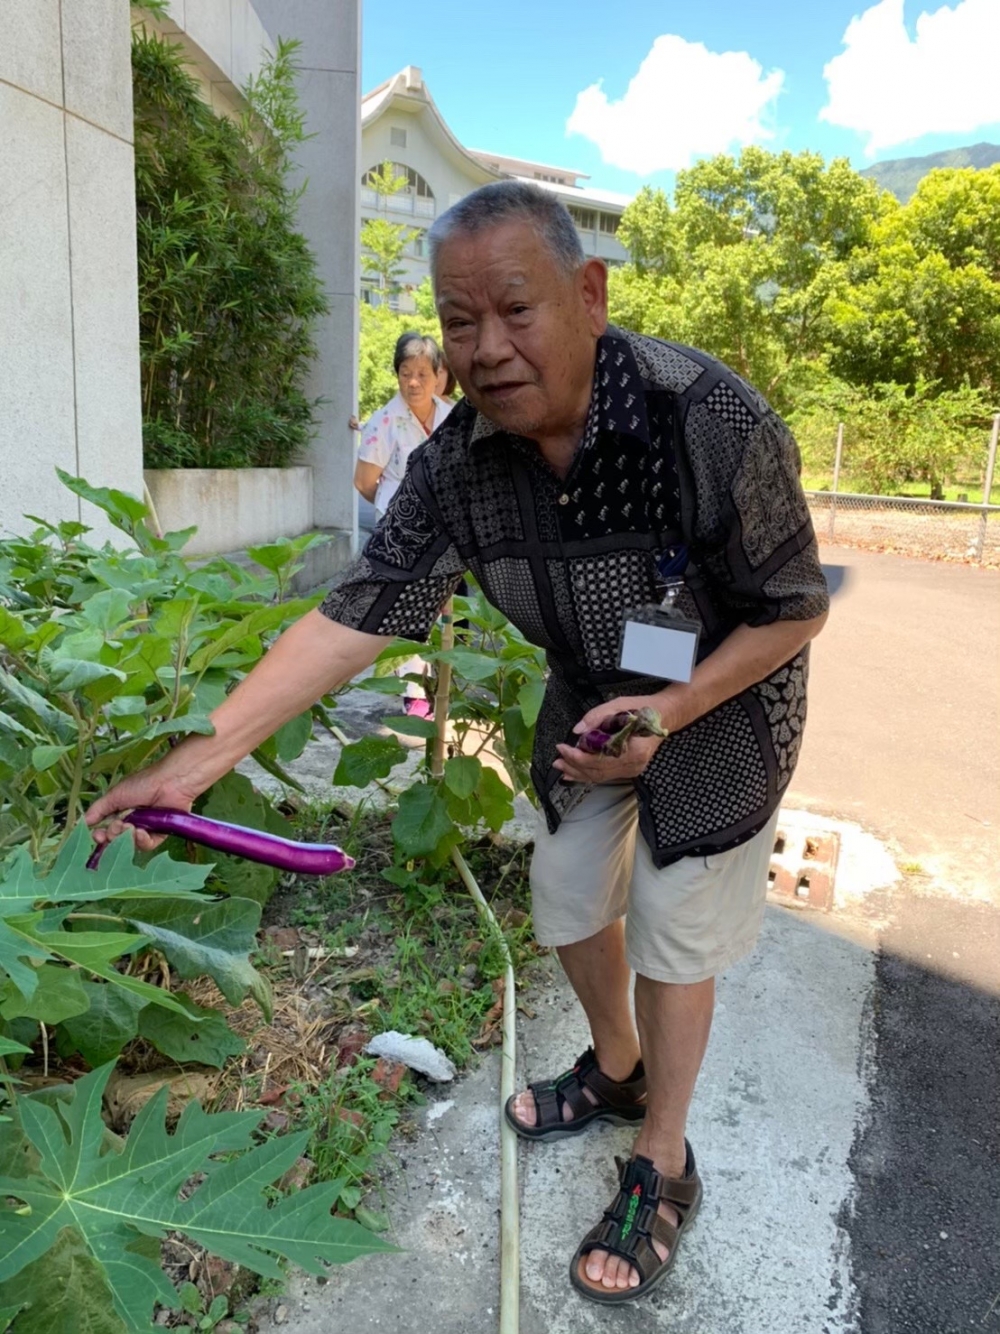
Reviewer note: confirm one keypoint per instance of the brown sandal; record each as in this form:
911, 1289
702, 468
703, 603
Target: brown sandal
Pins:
619, 1101
632, 1224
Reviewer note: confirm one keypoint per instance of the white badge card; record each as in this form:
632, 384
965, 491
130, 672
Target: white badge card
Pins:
659, 643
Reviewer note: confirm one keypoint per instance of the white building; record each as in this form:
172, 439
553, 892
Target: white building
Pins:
400, 123
69, 319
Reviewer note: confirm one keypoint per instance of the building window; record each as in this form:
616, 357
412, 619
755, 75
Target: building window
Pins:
609, 223
585, 218
397, 137
417, 245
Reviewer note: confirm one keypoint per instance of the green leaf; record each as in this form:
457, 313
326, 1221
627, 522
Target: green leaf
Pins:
291, 739
13, 632
399, 648
496, 800
202, 1035
208, 940
258, 622
58, 995
64, 1292
410, 725
59, 724
108, 609
11, 1048
111, 1020
461, 775
421, 822
384, 685
123, 510
363, 761
111, 1197
529, 700
44, 757
66, 674
473, 666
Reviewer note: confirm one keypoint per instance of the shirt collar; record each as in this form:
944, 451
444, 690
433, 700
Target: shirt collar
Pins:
617, 401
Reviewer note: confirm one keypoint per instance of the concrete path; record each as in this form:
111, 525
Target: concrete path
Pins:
846, 1119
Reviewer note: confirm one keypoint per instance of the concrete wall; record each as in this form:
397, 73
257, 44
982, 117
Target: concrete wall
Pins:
69, 366
233, 507
330, 90
225, 44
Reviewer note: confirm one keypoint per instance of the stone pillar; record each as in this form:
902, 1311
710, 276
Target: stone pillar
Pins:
329, 215
69, 336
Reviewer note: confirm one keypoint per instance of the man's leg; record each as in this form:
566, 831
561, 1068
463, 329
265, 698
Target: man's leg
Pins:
674, 1024
601, 978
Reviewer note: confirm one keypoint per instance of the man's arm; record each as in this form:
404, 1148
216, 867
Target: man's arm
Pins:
748, 655
312, 657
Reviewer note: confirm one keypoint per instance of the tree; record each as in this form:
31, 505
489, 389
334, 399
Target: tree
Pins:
383, 242
746, 261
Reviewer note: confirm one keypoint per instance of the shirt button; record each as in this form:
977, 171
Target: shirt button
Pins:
564, 499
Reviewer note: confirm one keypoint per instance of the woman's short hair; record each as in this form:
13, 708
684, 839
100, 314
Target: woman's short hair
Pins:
413, 344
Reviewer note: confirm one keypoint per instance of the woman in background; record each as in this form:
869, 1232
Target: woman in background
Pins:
392, 433
388, 439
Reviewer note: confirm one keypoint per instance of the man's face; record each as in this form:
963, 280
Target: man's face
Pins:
519, 333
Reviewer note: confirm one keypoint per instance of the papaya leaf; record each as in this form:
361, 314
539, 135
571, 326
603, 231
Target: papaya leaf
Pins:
111, 1198
57, 995
64, 1292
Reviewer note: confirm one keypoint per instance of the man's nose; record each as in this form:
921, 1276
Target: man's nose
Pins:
493, 347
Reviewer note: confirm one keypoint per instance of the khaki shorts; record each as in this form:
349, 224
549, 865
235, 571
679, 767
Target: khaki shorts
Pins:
684, 923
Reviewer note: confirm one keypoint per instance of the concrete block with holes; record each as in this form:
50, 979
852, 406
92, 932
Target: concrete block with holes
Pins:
804, 862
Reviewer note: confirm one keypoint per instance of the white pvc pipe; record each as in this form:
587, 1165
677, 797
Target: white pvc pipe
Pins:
510, 1257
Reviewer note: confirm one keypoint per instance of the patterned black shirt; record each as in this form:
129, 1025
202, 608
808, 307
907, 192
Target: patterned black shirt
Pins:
677, 450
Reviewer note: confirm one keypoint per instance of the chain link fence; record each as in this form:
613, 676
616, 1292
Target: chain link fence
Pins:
934, 529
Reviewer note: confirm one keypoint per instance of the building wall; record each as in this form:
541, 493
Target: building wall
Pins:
69, 365
329, 215
446, 178
225, 45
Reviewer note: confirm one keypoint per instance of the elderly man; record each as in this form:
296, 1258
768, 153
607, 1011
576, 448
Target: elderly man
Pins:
587, 470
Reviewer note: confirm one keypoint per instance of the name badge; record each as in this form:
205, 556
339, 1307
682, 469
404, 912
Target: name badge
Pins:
657, 641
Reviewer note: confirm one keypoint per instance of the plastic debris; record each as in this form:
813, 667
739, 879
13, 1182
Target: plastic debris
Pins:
417, 1053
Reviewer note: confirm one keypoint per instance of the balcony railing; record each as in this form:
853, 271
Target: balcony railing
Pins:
416, 205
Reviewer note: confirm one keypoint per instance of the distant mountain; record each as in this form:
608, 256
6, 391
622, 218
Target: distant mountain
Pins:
903, 175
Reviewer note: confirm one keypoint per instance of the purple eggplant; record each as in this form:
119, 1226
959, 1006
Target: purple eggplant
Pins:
237, 841
612, 736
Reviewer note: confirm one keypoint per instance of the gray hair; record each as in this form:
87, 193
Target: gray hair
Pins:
511, 201
412, 344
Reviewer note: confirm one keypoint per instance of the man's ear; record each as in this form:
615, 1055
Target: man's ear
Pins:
592, 278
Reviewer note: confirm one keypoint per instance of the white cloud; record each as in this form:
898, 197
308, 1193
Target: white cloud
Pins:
893, 88
684, 102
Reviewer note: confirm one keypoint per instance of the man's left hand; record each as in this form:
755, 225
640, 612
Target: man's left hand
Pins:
577, 766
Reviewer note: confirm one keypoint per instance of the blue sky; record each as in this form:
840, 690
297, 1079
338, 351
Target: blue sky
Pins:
650, 85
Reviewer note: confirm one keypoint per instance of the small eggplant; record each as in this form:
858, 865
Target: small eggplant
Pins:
237, 841
612, 737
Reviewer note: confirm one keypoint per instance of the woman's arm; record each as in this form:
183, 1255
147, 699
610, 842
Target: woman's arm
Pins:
366, 478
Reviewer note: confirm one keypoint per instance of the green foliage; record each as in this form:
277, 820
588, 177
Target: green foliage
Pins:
893, 435
833, 300
105, 654
63, 1181
383, 242
228, 289
66, 934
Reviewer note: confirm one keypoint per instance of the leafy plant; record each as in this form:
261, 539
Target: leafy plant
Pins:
229, 293
108, 654
67, 936
81, 1214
